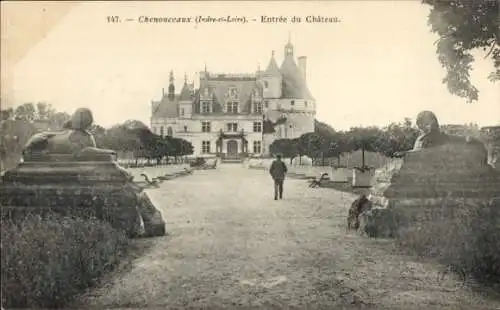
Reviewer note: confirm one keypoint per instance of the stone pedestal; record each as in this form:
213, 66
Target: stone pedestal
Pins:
361, 178
424, 180
64, 172
100, 189
341, 175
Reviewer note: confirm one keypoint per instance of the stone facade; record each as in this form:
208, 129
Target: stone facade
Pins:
225, 116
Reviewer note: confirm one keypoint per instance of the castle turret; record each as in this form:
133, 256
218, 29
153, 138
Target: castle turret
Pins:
186, 100
289, 48
271, 80
171, 86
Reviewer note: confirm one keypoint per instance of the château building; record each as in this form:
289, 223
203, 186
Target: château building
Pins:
236, 115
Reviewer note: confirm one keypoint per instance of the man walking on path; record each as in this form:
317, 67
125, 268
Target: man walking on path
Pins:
278, 170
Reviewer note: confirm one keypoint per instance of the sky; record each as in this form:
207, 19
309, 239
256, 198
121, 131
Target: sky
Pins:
376, 66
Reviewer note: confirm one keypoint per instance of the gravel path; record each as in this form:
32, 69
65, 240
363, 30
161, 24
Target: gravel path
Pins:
231, 246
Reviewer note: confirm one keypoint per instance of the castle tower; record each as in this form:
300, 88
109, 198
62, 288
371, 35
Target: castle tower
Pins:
171, 86
271, 80
289, 48
296, 98
186, 100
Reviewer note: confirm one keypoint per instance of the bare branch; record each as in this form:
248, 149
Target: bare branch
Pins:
493, 44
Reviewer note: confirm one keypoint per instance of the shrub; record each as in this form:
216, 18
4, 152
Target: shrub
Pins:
47, 260
465, 237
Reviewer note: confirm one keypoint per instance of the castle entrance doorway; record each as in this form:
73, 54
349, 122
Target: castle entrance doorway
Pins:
232, 148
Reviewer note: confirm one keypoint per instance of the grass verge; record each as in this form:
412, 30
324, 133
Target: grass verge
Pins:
464, 237
47, 261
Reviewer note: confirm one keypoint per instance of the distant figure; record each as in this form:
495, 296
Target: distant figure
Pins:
278, 170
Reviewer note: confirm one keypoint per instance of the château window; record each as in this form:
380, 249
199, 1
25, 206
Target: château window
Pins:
182, 112
232, 127
305, 104
169, 131
205, 127
161, 131
257, 127
257, 107
257, 147
292, 102
205, 147
205, 107
233, 92
185, 128
232, 107
266, 104
266, 84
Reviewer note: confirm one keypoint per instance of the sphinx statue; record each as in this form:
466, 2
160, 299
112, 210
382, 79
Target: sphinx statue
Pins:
73, 140
431, 136
64, 171
441, 168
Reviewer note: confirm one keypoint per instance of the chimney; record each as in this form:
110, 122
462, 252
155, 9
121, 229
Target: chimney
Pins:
163, 92
303, 67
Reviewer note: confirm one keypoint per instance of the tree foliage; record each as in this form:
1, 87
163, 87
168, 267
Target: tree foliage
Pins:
133, 136
463, 26
18, 125
325, 142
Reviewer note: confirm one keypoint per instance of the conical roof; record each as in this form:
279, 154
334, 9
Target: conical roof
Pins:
272, 68
185, 94
294, 85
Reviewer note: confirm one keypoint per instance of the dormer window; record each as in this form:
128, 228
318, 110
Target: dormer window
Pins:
232, 107
257, 108
205, 107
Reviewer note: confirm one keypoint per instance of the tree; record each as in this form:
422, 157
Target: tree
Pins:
364, 139
463, 26
338, 145
160, 148
120, 138
397, 138
323, 129
25, 112
57, 119
99, 134
285, 147
6, 114
312, 144
44, 111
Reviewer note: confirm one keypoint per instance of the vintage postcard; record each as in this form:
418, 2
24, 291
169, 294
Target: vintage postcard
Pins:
250, 154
